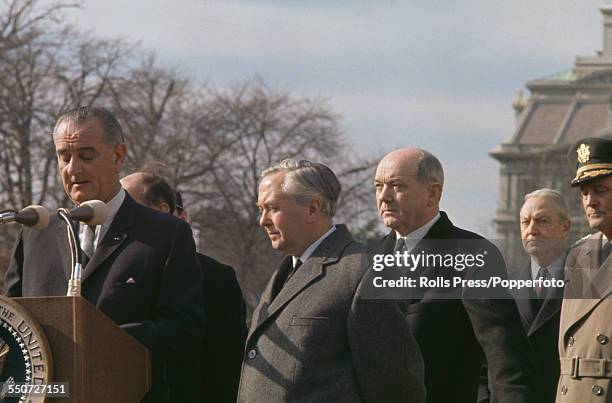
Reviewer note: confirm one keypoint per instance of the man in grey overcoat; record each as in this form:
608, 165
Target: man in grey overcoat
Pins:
313, 338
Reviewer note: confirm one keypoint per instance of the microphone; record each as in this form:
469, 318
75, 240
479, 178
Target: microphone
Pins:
33, 216
92, 212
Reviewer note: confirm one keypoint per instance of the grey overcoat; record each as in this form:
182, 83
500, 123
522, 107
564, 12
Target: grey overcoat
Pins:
319, 341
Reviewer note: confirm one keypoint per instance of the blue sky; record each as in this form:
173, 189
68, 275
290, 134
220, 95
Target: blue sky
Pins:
437, 74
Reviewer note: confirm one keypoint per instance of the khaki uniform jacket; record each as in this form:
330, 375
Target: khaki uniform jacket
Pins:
585, 348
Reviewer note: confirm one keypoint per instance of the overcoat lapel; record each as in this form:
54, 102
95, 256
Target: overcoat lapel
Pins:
577, 309
582, 282
601, 284
388, 242
114, 237
262, 311
437, 237
327, 253
303, 277
523, 297
550, 306
590, 265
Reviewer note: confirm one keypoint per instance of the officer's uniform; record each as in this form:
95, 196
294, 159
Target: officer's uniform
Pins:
585, 346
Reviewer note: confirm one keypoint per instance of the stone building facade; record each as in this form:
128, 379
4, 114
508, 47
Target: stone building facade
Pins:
559, 110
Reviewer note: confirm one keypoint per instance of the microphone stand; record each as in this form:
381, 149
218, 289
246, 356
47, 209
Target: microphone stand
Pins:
3, 212
74, 284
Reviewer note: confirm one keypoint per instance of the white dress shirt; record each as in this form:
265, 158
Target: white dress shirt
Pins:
113, 206
306, 254
413, 238
555, 269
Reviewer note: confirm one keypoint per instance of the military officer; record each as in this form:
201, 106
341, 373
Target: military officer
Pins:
585, 349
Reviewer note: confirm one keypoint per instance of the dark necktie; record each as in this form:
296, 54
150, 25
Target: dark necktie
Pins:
543, 274
400, 245
540, 291
294, 268
285, 271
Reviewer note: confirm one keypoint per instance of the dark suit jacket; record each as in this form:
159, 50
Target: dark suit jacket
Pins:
225, 332
162, 307
319, 341
454, 328
542, 328
214, 378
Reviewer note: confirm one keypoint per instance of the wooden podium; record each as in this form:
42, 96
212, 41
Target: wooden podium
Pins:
99, 360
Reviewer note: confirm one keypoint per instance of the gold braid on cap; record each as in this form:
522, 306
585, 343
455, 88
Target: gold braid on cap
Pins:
593, 166
594, 173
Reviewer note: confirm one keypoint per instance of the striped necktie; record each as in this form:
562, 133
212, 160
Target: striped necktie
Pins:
88, 242
540, 290
400, 245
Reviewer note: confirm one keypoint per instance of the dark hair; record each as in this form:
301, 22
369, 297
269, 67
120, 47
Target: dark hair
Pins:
157, 190
113, 133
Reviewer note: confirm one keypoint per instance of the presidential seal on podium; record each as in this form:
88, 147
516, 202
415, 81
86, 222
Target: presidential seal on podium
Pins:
25, 356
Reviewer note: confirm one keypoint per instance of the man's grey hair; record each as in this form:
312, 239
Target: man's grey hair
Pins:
555, 196
113, 133
306, 180
429, 169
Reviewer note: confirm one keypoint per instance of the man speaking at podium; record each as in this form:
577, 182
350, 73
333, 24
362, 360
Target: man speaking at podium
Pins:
140, 266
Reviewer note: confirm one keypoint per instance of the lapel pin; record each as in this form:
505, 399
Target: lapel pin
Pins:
130, 281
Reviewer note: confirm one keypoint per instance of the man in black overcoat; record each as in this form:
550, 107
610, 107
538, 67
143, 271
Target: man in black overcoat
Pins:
456, 327
214, 373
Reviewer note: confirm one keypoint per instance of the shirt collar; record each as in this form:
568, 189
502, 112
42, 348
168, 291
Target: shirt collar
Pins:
113, 207
313, 246
415, 236
555, 268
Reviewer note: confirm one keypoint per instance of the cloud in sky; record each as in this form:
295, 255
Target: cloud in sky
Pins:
392, 40
439, 74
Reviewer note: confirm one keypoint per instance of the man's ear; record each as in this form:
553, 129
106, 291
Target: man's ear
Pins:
434, 193
163, 206
314, 210
567, 225
119, 153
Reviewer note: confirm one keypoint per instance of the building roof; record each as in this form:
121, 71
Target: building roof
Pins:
564, 109
567, 75
566, 106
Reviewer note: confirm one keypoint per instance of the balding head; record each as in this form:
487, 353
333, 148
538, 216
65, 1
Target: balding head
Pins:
416, 161
408, 188
151, 190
